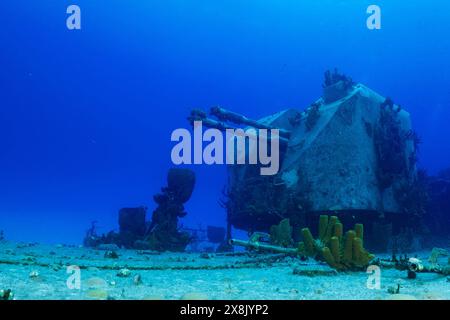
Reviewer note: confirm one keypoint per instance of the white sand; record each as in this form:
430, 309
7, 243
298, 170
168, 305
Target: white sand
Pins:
174, 275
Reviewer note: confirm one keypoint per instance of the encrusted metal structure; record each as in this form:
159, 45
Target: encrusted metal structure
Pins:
350, 152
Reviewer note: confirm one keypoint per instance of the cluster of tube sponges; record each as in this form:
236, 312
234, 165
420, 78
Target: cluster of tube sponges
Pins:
342, 252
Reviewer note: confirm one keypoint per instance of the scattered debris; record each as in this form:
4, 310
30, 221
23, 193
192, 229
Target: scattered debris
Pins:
137, 280
412, 274
415, 265
258, 242
206, 255
6, 294
56, 267
111, 255
124, 273
394, 289
436, 253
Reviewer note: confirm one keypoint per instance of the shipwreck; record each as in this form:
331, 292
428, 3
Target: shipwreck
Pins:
351, 153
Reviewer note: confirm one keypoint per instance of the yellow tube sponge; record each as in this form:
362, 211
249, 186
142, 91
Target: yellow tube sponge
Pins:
328, 257
361, 257
330, 228
348, 247
359, 230
357, 250
323, 225
340, 252
335, 249
338, 230
308, 242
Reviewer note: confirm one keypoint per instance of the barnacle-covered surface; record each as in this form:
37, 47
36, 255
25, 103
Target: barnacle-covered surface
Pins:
33, 271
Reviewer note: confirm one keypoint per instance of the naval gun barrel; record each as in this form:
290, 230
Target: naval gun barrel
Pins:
226, 115
199, 115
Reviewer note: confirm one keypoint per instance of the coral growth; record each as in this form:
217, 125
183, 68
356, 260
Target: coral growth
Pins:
281, 234
390, 144
397, 169
332, 78
412, 197
163, 232
339, 251
256, 202
437, 218
132, 225
91, 238
312, 116
336, 86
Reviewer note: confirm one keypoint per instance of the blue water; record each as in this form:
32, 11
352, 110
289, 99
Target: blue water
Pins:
86, 115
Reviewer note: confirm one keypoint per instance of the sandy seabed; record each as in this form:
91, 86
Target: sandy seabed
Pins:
34, 271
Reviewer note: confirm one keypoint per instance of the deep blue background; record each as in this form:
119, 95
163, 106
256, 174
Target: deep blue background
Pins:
86, 116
